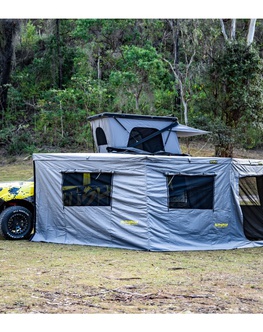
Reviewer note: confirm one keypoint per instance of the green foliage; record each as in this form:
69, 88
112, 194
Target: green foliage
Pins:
164, 101
17, 140
234, 91
249, 135
237, 78
140, 73
65, 70
60, 122
29, 37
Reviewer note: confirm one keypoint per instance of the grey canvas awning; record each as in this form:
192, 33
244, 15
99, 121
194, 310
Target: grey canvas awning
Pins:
185, 131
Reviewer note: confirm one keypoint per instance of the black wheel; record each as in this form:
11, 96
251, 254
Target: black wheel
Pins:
16, 223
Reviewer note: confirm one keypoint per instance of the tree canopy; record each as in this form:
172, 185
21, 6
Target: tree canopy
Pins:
56, 72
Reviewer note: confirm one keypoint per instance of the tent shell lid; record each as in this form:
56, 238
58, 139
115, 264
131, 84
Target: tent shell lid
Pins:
132, 116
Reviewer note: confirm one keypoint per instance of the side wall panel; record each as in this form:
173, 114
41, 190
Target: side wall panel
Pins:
139, 216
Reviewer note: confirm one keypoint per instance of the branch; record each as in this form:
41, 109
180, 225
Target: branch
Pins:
181, 91
174, 28
190, 62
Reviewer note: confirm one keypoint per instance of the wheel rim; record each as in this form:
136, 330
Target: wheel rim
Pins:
18, 224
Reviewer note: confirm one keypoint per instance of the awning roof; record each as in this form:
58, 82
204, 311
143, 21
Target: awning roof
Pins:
185, 131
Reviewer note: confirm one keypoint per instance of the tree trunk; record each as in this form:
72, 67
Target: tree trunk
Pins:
8, 30
98, 66
175, 31
137, 98
251, 31
60, 74
233, 29
224, 150
223, 29
182, 94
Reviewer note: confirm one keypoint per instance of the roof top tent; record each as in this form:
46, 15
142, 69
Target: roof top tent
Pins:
143, 134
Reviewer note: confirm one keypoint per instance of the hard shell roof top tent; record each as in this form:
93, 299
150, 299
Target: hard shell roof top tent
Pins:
118, 132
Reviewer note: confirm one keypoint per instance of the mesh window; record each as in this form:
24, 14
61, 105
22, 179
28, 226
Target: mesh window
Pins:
100, 136
154, 144
251, 202
251, 190
86, 189
190, 192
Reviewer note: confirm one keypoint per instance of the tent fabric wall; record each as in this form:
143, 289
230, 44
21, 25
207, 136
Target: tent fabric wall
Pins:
139, 216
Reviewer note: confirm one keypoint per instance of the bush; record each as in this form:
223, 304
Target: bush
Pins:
17, 141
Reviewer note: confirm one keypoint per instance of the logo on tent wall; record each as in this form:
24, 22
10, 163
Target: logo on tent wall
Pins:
129, 222
221, 225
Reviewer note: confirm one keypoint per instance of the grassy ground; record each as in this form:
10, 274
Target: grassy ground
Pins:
16, 169
53, 278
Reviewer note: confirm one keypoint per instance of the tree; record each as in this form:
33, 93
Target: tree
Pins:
186, 36
250, 32
236, 87
101, 40
139, 69
65, 69
8, 30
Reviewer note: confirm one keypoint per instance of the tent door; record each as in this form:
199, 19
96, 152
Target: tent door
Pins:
251, 203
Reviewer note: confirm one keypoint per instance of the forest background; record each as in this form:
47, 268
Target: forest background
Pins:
56, 72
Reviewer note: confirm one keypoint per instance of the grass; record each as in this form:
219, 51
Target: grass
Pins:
55, 278
16, 169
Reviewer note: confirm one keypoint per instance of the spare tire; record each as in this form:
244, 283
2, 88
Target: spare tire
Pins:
16, 223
